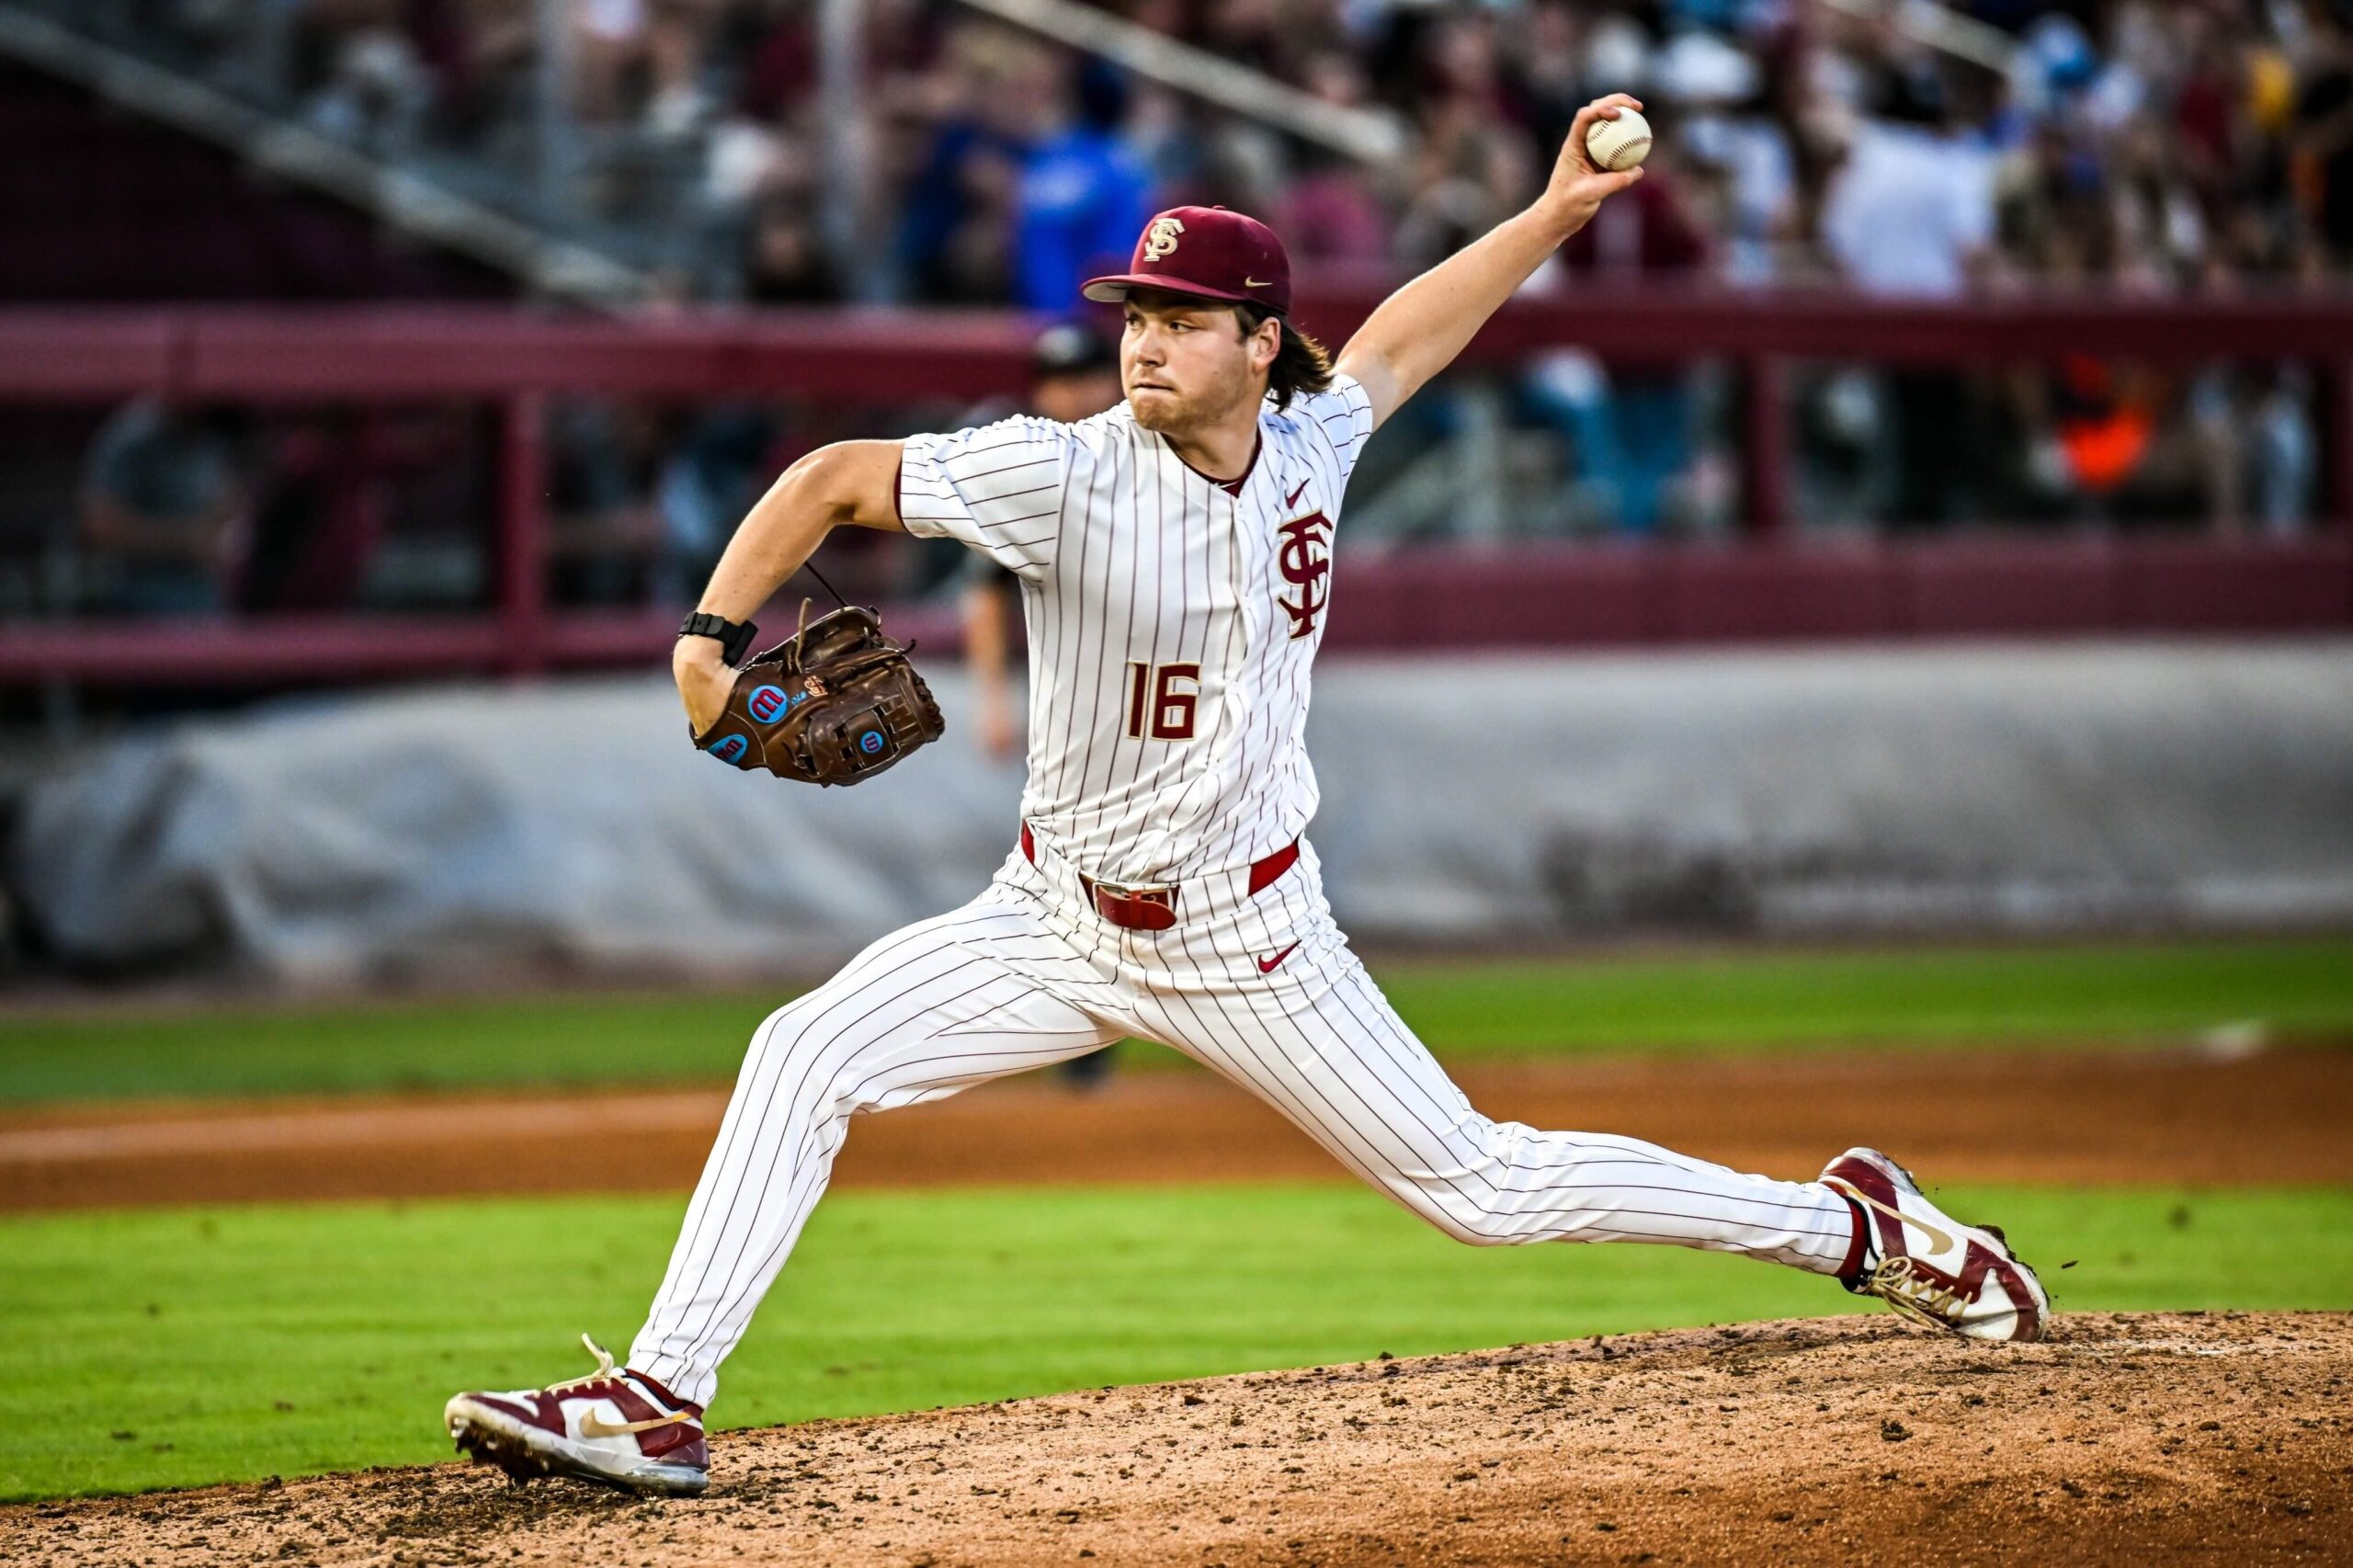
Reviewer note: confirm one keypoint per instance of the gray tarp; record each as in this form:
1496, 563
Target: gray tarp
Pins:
2013, 788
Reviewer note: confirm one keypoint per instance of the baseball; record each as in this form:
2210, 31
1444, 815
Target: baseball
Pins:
1621, 143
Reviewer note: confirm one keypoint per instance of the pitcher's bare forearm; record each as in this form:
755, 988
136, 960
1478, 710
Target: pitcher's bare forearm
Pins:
1419, 330
853, 483
850, 482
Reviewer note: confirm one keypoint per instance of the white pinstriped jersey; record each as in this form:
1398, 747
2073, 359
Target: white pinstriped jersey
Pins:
1173, 622
1172, 627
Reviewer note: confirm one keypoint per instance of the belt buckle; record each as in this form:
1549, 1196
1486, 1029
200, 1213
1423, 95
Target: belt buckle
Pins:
1135, 890
1148, 907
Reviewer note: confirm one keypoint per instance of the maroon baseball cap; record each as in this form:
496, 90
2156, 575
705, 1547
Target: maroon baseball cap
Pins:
1209, 251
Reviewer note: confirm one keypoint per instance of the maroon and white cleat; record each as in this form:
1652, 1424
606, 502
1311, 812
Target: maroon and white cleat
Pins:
1929, 1265
618, 1428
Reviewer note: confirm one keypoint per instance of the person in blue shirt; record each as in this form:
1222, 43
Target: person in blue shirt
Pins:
1084, 193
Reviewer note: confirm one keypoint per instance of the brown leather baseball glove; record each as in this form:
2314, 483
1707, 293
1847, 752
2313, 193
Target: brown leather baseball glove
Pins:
834, 703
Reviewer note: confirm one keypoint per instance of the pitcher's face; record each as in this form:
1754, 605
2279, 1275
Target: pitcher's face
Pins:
1185, 363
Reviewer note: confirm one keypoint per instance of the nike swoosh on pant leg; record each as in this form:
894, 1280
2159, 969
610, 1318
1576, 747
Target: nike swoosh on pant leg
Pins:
1267, 966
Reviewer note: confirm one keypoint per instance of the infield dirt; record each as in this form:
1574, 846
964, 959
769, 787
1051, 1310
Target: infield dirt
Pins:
2173, 1118
2128, 1438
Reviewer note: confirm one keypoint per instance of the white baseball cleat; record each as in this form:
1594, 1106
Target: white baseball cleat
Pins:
618, 1428
1930, 1267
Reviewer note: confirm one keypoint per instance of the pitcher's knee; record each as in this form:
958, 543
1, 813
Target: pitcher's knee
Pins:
1446, 1206
1477, 1191
792, 1058
782, 1033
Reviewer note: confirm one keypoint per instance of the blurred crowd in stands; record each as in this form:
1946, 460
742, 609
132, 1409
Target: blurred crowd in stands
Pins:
2194, 146
2185, 144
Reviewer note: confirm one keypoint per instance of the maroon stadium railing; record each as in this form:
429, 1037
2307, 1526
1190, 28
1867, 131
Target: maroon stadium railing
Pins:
1766, 587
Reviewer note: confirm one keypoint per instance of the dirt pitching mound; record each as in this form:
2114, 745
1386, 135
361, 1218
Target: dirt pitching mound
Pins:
2127, 1439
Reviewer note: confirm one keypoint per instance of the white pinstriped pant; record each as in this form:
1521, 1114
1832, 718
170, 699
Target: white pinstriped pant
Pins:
1026, 976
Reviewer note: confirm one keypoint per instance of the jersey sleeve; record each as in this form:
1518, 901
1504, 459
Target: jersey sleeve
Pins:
1343, 415
998, 488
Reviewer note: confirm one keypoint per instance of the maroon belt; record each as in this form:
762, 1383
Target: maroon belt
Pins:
1155, 909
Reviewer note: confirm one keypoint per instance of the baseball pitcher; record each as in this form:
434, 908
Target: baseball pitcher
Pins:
1175, 561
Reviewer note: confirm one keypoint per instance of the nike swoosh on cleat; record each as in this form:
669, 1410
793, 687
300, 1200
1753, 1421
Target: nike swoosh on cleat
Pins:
1944, 1241
1292, 499
592, 1425
1267, 966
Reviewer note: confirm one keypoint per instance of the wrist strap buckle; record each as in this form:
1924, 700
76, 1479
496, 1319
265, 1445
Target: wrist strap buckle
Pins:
734, 637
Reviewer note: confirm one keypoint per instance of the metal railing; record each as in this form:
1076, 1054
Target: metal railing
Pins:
1767, 586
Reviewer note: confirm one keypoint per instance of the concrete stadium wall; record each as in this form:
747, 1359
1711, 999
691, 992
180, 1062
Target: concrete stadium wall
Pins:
2015, 789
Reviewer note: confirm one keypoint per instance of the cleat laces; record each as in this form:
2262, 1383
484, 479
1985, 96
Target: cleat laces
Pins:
1915, 1293
606, 1373
603, 1368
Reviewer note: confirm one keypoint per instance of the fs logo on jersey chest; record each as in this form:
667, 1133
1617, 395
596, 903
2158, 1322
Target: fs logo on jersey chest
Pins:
1305, 561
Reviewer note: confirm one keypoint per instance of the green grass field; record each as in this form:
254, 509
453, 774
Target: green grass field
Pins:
2120, 992
187, 1346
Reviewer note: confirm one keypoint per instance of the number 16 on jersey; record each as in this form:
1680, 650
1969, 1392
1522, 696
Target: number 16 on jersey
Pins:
1156, 707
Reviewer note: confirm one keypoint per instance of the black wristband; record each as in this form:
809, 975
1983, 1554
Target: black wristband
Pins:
735, 636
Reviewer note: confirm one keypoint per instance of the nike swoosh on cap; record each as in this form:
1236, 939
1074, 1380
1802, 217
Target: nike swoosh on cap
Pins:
1258, 283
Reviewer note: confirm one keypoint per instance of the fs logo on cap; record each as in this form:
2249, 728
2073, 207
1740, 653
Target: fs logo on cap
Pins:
768, 702
1160, 240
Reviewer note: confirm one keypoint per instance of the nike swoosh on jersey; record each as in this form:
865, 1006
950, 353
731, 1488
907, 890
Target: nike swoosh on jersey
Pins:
1267, 966
1292, 499
592, 1425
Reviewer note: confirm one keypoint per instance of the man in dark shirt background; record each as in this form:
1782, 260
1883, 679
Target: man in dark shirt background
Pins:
165, 508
